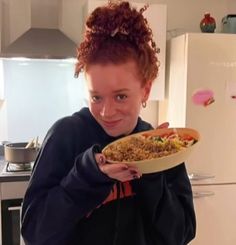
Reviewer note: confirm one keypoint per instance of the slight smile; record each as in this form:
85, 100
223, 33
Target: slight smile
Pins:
111, 124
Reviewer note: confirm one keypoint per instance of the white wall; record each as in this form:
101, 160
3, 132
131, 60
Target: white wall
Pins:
151, 112
44, 14
37, 93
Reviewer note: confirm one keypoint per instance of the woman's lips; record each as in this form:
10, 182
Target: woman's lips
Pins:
110, 124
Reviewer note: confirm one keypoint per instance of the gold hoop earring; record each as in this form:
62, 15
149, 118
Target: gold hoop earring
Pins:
144, 104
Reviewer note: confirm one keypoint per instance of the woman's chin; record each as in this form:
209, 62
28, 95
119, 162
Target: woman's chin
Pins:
113, 133
116, 132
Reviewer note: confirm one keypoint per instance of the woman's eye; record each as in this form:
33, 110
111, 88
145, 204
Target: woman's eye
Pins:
95, 98
121, 97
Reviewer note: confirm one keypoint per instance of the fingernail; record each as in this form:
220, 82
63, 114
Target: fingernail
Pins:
134, 172
136, 176
101, 159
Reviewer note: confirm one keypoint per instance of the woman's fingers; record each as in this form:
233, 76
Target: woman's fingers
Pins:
119, 168
109, 168
100, 159
123, 174
119, 171
163, 125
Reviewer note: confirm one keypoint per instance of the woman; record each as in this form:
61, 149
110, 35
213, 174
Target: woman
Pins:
74, 196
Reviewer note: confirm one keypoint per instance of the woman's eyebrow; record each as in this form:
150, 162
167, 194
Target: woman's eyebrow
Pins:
121, 90
115, 91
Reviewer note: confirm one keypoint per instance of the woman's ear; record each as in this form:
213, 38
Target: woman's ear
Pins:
147, 89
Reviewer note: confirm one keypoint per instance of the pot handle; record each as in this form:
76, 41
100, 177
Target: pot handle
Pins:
5, 142
2, 146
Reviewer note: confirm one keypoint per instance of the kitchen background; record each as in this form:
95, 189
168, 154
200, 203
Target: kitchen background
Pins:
38, 92
35, 93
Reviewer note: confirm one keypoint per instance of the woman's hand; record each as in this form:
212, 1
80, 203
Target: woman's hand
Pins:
118, 171
163, 125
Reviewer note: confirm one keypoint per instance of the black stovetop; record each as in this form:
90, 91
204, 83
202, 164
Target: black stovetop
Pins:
6, 176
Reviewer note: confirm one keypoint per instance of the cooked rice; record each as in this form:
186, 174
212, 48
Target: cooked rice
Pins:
139, 148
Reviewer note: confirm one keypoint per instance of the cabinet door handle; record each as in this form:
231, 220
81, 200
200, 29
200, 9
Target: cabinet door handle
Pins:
195, 176
14, 208
200, 194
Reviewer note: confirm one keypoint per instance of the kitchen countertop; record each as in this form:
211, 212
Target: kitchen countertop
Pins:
11, 178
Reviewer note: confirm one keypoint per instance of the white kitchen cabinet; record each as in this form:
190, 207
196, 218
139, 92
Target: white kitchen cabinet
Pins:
15, 20
156, 15
216, 214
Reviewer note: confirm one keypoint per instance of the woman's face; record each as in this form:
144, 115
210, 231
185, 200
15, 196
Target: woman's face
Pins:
115, 96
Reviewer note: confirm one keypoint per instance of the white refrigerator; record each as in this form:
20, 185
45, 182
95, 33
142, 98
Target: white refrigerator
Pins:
201, 94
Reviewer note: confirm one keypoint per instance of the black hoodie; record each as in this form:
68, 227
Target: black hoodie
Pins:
69, 201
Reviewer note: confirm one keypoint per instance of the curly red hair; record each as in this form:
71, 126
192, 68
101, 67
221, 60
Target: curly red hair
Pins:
117, 33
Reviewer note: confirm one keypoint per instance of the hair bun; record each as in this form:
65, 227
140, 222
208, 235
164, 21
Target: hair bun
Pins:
118, 20
115, 33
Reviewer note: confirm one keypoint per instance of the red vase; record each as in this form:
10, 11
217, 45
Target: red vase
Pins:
208, 23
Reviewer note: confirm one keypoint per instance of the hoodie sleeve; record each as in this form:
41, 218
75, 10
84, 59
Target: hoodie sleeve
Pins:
63, 189
167, 206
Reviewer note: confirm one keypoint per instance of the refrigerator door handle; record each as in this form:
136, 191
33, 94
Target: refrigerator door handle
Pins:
195, 176
200, 194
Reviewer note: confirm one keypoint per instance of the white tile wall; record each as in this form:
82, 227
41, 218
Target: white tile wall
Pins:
36, 94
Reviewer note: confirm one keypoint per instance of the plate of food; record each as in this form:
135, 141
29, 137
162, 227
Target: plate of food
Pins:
153, 150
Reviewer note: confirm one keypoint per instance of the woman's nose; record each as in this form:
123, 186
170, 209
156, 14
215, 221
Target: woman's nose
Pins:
108, 109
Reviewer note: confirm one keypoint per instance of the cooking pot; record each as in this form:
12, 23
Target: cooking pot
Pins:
17, 153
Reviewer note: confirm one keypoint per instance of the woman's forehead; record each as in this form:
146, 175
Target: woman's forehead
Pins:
112, 77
